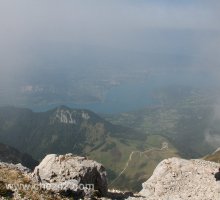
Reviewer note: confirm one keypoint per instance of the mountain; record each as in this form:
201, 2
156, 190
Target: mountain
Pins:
59, 130
11, 155
128, 155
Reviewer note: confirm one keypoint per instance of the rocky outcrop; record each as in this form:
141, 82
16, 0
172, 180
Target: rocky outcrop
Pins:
72, 174
179, 179
16, 183
18, 167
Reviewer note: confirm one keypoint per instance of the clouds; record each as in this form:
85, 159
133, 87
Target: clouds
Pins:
89, 20
39, 34
100, 22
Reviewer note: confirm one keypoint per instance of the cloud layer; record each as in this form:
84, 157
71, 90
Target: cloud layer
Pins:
46, 36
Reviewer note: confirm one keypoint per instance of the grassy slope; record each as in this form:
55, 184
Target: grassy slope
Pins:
214, 157
115, 154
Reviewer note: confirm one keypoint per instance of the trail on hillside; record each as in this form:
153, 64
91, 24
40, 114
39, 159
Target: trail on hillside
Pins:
164, 146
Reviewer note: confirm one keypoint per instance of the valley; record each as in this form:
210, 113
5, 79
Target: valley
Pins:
187, 118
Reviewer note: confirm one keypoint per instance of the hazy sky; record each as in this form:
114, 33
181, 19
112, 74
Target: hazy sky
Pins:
49, 35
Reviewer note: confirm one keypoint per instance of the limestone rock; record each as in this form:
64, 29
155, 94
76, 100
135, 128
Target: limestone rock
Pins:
18, 166
179, 179
71, 173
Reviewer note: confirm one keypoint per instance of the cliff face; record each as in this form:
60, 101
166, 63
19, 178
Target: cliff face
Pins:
179, 179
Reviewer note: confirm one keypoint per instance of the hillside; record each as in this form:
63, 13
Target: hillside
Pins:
132, 162
82, 132
214, 157
11, 155
59, 130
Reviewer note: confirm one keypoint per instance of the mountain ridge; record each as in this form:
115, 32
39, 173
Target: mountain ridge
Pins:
15, 122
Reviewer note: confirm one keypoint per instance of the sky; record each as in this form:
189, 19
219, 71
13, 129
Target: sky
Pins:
40, 38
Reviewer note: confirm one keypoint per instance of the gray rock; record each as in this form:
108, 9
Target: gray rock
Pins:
179, 179
18, 166
71, 173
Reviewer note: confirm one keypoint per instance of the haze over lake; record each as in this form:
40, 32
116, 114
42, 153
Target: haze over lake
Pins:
106, 56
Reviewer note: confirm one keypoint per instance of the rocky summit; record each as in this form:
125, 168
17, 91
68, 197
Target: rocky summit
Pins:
71, 175
179, 179
68, 176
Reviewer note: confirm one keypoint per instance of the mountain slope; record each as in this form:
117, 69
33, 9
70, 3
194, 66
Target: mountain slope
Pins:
130, 163
64, 130
58, 131
11, 155
214, 157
